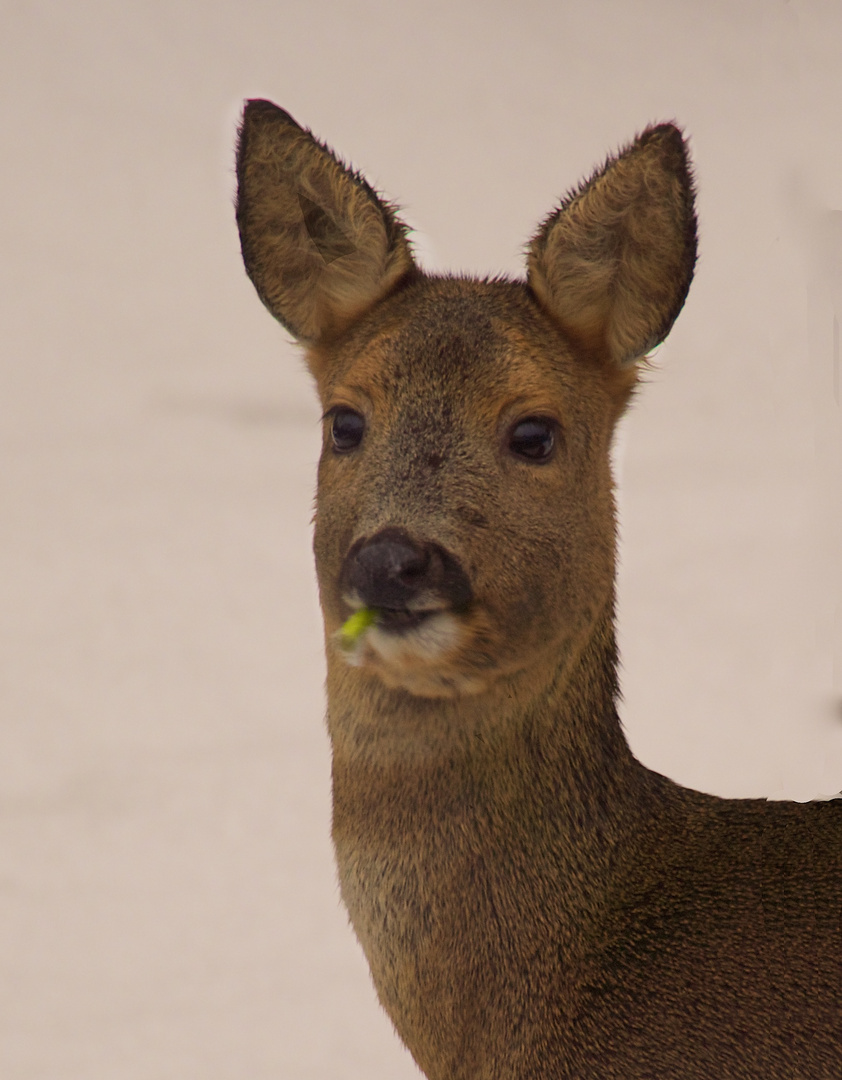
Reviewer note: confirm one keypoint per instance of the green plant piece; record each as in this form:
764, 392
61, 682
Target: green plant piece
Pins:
354, 627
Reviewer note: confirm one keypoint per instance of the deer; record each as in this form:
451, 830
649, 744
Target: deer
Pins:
533, 902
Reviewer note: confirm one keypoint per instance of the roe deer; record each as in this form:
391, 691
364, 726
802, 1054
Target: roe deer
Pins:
533, 902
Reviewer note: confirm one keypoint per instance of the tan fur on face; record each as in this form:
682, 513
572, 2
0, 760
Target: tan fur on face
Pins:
540, 562
610, 267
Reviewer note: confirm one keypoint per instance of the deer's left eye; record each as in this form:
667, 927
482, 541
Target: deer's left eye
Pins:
347, 428
533, 439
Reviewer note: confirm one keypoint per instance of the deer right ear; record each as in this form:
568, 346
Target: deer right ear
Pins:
613, 264
318, 244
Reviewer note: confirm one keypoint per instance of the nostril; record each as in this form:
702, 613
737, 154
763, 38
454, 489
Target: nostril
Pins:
409, 565
413, 569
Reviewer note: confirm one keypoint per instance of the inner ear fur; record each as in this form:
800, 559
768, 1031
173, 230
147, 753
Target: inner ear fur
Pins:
317, 242
614, 262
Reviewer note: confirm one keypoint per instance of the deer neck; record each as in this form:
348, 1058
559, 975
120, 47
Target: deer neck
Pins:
538, 771
483, 837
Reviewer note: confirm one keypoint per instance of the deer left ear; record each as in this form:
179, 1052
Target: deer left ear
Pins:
614, 262
319, 245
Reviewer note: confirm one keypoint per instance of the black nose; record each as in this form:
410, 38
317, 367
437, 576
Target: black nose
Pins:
391, 569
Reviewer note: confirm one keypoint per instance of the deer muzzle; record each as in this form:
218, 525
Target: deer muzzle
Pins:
404, 580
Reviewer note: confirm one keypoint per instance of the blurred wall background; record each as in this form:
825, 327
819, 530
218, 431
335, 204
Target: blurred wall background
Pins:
168, 907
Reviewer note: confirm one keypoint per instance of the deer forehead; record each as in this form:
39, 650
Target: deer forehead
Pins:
457, 358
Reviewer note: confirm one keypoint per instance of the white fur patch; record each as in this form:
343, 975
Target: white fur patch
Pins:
426, 660
431, 640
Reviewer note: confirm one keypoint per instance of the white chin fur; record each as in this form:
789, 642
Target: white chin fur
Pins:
417, 660
431, 640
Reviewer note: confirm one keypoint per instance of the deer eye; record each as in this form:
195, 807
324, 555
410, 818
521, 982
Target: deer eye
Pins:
533, 439
347, 429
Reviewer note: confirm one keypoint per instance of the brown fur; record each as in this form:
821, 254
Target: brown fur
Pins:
318, 248
533, 902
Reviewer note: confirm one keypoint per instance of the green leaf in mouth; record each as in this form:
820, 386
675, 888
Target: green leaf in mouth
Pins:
356, 625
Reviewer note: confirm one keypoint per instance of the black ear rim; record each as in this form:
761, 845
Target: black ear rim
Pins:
254, 106
252, 110
671, 134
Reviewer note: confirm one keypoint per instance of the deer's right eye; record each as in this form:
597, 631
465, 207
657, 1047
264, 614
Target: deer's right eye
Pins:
347, 429
533, 439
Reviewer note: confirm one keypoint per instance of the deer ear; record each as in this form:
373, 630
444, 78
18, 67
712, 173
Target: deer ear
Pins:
318, 244
614, 262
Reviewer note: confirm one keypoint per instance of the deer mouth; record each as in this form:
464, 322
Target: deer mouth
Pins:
428, 651
410, 603
406, 647
402, 620
391, 620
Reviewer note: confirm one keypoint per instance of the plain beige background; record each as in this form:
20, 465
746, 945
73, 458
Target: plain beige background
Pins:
168, 908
